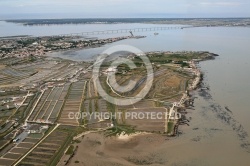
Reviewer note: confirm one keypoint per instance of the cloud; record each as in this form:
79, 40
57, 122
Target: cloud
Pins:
220, 3
127, 8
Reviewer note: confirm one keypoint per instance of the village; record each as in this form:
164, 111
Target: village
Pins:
37, 46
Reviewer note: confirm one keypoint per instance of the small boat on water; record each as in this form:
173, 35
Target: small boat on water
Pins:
156, 33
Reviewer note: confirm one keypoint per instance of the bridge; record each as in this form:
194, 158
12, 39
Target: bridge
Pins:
118, 31
124, 31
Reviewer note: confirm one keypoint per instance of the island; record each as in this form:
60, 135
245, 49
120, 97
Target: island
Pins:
38, 92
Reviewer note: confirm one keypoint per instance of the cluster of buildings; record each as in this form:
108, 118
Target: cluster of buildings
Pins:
37, 46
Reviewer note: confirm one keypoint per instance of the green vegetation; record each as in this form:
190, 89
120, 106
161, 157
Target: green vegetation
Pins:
36, 135
159, 104
177, 58
77, 141
6, 49
26, 42
23, 111
32, 58
170, 127
58, 156
136, 161
70, 150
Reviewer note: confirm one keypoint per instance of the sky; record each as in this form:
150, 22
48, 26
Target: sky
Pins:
11, 9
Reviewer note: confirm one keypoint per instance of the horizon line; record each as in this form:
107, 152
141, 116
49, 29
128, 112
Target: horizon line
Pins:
127, 18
